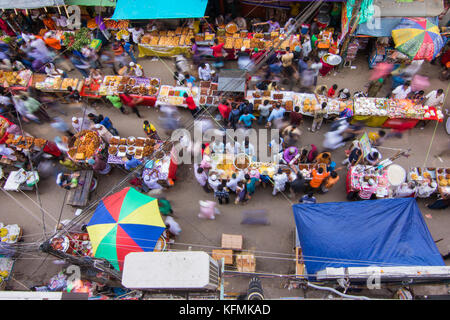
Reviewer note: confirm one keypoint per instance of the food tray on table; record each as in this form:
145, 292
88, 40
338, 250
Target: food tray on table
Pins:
137, 147
443, 178
50, 83
110, 85
429, 173
16, 78
69, 82
306, 103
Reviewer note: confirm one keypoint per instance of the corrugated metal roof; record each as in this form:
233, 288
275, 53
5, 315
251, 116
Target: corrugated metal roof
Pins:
29, 4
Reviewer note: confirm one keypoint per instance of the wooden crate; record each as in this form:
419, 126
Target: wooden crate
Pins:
232, 241
227, 254
79, 196
246, 262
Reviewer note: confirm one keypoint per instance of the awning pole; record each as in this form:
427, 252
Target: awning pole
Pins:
45, 8
59, 9
15, 11
67, 13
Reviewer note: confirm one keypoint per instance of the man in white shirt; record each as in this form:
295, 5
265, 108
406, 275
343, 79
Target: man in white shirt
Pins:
213, 182
233, 147
402, 91
204, 72
232, 184
79, 124
52, 71
137, 33
279, 180
136, 69
151, 181
435, 98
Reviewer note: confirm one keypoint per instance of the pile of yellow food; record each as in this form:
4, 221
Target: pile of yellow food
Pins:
414, 176
309, 105
3, 275
226, 165
3, 127
68, 82
13, 78
443, 182
85, 146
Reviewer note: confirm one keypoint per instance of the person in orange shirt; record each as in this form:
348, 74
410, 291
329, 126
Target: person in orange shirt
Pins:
317, 178
48, 22
330, 182
324, 157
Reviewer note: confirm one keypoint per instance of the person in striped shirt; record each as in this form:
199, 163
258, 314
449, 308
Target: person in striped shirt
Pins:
368, 191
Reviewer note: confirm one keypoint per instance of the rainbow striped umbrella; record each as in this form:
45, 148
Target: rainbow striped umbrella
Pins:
124, 222
418, 38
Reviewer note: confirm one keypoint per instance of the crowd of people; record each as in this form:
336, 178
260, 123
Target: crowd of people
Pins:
284, 69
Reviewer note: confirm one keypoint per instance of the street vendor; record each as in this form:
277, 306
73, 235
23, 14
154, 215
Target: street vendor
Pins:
52, 71
405, 190
151, 180
373, 157
67, 180
80, 124
99, 165
136, 69
102, 131
368, 191
290, 154
131, 163
150, 130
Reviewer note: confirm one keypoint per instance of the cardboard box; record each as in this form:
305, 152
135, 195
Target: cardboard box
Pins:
227, 254
246, 262
232, 241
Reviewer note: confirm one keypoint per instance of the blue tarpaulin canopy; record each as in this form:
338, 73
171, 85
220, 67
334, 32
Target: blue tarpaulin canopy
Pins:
388, 232
382, 28
159, 9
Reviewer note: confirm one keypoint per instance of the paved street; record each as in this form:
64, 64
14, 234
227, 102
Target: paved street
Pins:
272, 244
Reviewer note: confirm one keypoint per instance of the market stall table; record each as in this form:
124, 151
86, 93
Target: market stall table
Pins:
16, 80
79, 196
358, 176
21, 180
392, 113
173, 96
140, 148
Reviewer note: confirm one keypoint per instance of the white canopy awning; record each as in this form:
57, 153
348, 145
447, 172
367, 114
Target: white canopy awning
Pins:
29, 4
